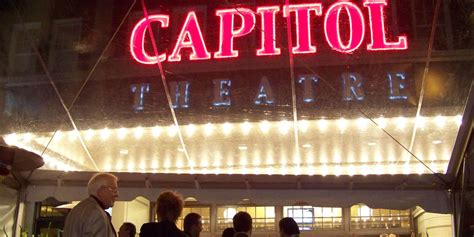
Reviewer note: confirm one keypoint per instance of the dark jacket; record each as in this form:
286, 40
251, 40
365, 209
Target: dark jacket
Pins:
161, 229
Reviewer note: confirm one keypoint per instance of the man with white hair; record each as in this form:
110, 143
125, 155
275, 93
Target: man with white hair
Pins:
89, 218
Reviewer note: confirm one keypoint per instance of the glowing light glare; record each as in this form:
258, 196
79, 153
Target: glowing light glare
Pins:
264, 126
156, 131
227, 128
243, 147
436, 142
381, 121
440, 121
324, 170
342, 124
323, 124
59, 135
337, 170
351, 170
73, 135
362, 123
208, 129
379, 169
246, 126
420, 169
172, 131
105, 133
89, 134
11, 139
420, 122
306, 145
27, 137
406, 168
284, 127
458, 119
123, 152
303, 125
190, 130
122, 133
131, 166
138, 132
365, 170
401, 122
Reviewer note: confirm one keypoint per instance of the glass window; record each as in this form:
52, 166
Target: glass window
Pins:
364, 217
315, 218
263, 217
205, 213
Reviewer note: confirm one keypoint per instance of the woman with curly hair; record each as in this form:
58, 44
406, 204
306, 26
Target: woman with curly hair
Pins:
169, 206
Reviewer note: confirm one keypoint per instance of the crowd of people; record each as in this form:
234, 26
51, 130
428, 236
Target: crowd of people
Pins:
89, 218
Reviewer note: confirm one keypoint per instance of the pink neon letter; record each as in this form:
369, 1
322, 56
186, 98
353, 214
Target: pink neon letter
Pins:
356, 23
190, 37
268, 31
303, 31
137, 40
377, 28
227, 31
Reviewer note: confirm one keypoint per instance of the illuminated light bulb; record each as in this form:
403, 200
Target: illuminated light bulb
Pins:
172, 131
108, 167
379, 169
420, 169
351, 170
243, 162
123, 152
256, 162
11, 139
156, 131
401, 122
179, 164
324, 170
284, 127
154, 164
27, 137
303, 125
105, 133
243, 147
365, 170
323, 124
264, 126
227, 128
406, 168
342, 124
246, 126
73, 135
119, 165
458, 119
420, 122
208, 129
362, 123
131, 166
89, 134
381, 121
138, 132
337, 170
440, 121
122, 133
190, 130
336, 159
59, 135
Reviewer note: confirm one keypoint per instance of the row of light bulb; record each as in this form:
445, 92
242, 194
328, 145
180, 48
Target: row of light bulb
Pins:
324, 170
284, 127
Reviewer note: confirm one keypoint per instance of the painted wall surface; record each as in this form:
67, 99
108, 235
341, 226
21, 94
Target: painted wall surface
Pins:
434, 225
135, 211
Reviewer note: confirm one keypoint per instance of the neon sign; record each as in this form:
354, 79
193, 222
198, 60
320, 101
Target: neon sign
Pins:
340, 13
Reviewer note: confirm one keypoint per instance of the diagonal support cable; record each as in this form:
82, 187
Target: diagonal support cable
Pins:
165, 87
